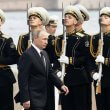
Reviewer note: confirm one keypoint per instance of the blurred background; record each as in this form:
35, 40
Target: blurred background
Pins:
16, 15
12, 5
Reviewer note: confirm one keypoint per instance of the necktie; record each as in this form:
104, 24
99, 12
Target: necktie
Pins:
42, 58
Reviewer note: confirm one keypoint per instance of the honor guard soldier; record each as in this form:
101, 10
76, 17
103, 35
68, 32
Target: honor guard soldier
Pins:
51, 29
38, 17
8, 56
50, 49
52, 25
78, 62
85, 15
103, 99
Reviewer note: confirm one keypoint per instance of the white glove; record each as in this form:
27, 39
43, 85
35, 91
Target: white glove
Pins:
100, 59
96, 76
59, 74
64, 59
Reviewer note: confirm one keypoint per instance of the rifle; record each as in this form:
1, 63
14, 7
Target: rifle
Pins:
98, 84
63, 65
64, 45
29, 28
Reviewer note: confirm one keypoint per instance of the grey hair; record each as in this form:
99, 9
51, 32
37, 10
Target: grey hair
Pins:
37, 33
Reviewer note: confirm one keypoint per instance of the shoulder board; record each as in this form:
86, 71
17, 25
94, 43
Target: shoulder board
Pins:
80, 34
5, 36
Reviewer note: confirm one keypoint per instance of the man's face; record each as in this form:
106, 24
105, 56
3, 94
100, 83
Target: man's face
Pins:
70, 20
105, 20
51, 29
35, 21
41, 41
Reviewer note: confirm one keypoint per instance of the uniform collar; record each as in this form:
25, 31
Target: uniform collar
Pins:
81, 31
70, 33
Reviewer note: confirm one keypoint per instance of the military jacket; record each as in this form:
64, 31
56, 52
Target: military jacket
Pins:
80, 63
22, 43
8, 56
106, 53
87, 38
50, 48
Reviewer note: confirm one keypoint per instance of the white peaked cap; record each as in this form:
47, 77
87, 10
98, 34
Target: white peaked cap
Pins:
73, 10
105, 11
2, 16
41, 13
53, 20
84, 12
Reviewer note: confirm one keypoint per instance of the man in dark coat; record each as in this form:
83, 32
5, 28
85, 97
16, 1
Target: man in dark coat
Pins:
50, 49
35, 72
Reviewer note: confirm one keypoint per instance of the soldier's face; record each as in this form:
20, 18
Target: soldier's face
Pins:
35, 21
51, 29
70, 20
105, 20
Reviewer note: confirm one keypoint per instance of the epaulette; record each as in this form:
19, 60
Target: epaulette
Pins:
57, 50
19, 46
94, 53
80, 34
5, 36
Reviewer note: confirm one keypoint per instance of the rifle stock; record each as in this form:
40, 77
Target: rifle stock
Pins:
64, 45
98, 84
98, 87
64, 53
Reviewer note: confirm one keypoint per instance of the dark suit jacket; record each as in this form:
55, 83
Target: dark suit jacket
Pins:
33, 78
